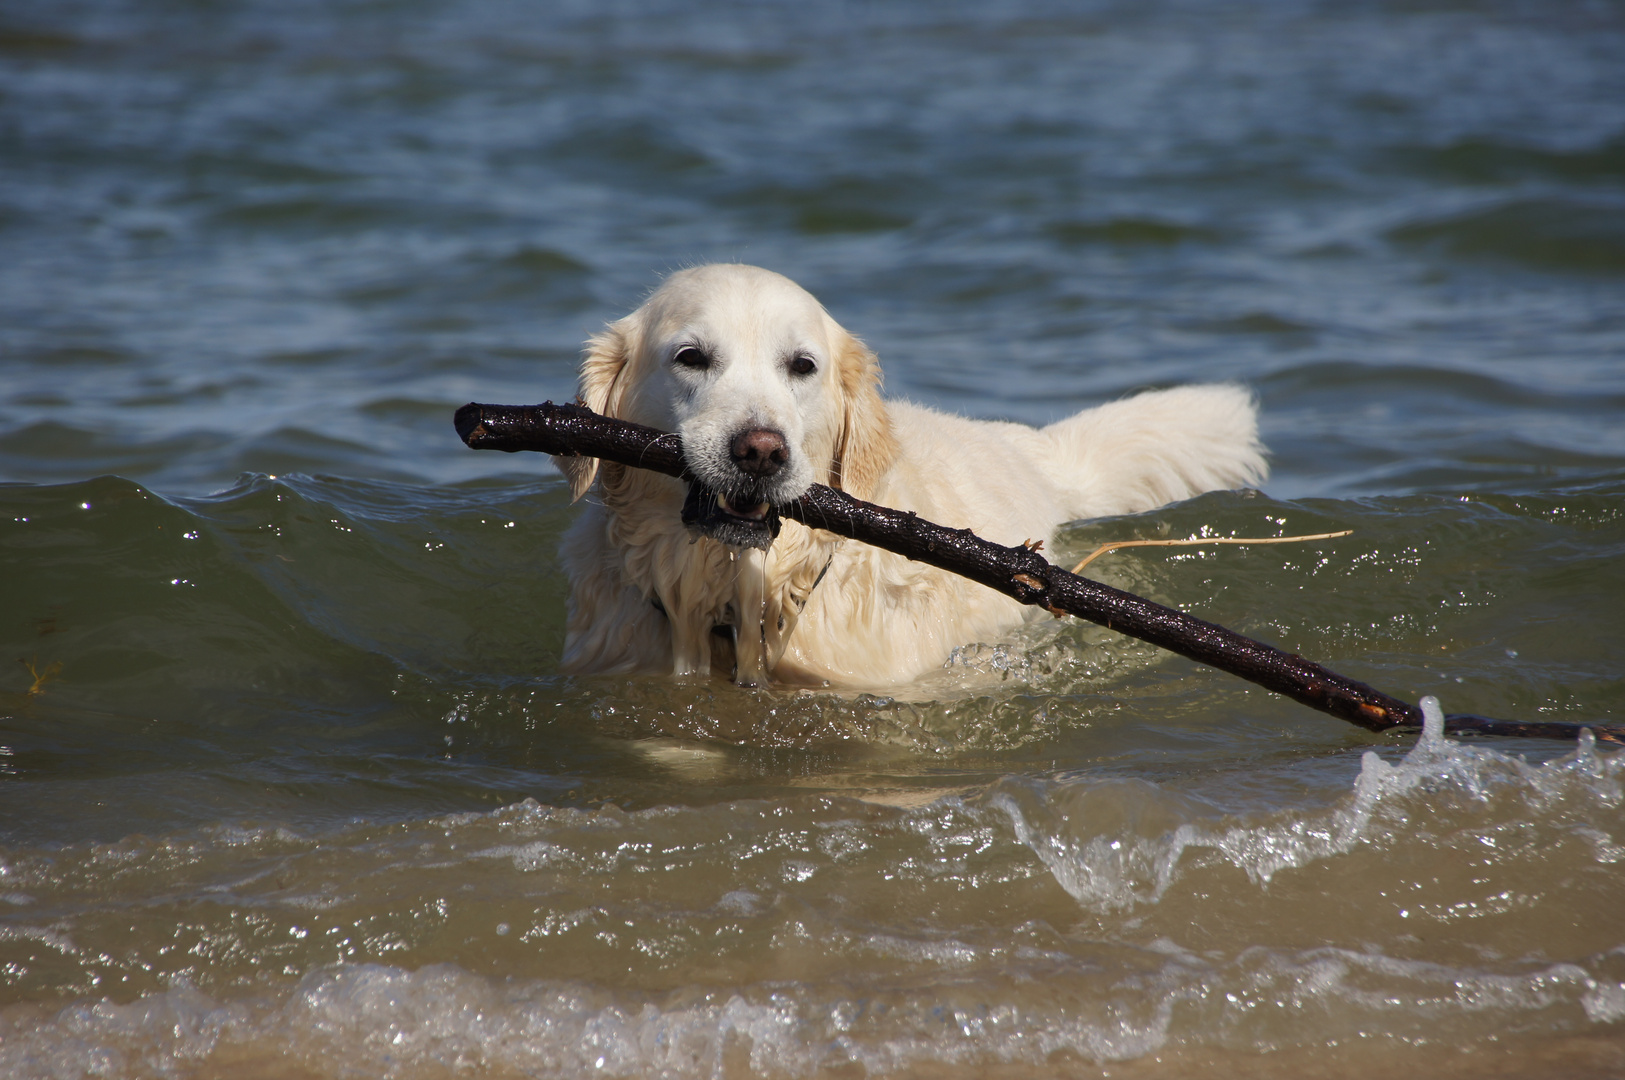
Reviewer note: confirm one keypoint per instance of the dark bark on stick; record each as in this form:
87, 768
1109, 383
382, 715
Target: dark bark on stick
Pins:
571, 430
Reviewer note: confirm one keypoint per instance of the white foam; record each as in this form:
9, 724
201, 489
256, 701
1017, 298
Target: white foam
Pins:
374, 1020
380, 1021
1107, 868
526, 857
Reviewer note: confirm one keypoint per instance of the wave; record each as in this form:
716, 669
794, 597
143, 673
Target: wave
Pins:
1573, 235
1204, 930
307, 592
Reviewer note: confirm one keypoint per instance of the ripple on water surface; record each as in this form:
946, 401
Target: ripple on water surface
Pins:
765, 934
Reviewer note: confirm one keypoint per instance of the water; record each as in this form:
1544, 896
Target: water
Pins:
290, 784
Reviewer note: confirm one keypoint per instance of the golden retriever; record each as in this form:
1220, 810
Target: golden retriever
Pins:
771, 395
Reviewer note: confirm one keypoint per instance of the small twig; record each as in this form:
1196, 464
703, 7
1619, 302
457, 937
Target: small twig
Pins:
41, 675
1115, 544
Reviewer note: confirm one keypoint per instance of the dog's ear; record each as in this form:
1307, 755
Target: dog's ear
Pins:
866, 447
601, 389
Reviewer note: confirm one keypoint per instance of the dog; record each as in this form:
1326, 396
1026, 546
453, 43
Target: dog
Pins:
771, 395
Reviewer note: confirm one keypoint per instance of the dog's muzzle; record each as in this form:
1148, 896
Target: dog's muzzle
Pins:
740, 519
741, 515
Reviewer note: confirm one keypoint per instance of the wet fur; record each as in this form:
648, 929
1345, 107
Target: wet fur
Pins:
876, 619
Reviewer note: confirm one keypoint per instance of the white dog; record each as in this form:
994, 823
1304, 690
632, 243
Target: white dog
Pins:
771, 395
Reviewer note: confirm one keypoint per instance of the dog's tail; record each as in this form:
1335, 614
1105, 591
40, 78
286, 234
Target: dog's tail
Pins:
1157, 448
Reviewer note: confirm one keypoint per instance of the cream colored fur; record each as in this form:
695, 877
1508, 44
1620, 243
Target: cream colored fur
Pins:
876, 619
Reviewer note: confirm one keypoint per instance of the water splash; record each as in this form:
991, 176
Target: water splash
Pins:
1432, 721
1101, 841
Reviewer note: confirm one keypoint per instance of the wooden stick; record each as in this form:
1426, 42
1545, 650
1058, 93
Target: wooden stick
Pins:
1019, 572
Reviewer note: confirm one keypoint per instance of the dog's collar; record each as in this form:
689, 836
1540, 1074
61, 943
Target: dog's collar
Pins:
799, 601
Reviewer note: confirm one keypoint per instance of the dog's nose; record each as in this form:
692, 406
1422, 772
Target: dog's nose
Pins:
759, 452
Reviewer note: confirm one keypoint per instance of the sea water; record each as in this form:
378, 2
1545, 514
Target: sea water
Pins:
291, 784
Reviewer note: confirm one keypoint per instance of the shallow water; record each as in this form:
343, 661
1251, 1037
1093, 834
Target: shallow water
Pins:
290, 784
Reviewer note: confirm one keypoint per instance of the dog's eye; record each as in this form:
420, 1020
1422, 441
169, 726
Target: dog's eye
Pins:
803, 365
690, 357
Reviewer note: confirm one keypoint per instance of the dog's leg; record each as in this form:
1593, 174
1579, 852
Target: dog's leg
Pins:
778, 623
750, 609
691, 621
690, 647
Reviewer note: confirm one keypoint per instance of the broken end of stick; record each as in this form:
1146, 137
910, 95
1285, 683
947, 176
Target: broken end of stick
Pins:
1376, 715
470, 423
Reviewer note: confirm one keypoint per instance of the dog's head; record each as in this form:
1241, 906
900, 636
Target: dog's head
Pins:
769, 394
